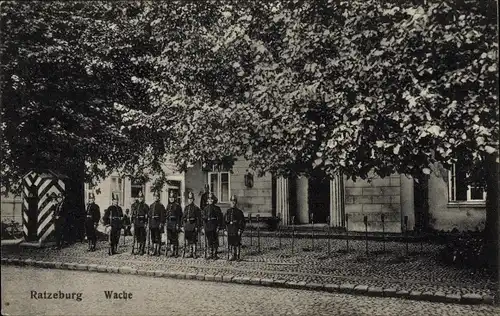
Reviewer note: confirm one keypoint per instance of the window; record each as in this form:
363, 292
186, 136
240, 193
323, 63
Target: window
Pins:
137, 186
220, 184
117, 189
459, 191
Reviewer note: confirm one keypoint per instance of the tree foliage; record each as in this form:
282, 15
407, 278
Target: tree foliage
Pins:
57, 111
292, 86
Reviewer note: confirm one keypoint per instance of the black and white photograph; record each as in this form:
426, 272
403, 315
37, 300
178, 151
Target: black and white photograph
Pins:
261, 157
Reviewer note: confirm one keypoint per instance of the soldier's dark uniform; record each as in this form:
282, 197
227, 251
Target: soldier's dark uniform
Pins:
92, 217
113, 217
191, 220
59, 216
174, 222
213, 220
140, 211
235, 224
156, 222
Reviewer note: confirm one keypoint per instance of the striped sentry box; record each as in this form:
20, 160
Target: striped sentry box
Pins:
43, 185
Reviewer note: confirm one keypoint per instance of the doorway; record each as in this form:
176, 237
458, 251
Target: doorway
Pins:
319, 197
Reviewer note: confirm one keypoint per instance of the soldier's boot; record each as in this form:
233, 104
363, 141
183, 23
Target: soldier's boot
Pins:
235, 253
159, 249
233, 256
194, 251
176, 253
210, 252
93, 244
142, 246
190, 251
215, 253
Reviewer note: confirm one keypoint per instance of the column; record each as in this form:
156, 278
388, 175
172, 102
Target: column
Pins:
337, 201
407, 201
282, 200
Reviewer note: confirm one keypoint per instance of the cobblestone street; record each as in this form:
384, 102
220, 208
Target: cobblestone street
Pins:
155, 296
421, 271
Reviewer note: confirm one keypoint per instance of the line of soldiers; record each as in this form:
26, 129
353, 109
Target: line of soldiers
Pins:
155, 219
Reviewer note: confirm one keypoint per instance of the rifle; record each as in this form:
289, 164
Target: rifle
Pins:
166, 240
206, 243
133, 242
110, 251
184, 248
239, 244
228, 246
148, 233
197, 234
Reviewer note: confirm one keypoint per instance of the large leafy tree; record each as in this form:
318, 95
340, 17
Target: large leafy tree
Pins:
58, 112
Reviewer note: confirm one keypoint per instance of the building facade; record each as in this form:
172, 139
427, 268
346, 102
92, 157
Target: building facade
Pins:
446, 203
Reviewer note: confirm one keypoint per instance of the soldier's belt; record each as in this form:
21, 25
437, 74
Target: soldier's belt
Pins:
155, 216
115, 217
142, 216
212, 218
89, 215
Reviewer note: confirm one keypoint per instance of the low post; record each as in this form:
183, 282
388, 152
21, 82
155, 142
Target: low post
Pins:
312, 232
365, 219
279, 229
382, 217
406, 233
347, 230
258, 232
328, 235
421, 240
293, 233
251, 229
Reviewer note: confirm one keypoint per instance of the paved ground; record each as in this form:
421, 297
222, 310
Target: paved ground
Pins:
421, 271
159, 296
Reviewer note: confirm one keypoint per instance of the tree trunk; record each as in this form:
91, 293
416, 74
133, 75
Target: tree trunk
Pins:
491, 229
75, 195
421, 203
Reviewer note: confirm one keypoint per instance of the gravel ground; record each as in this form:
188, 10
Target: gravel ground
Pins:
160, 296
420, 271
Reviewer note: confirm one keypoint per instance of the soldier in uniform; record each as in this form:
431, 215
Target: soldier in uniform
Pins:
204, 198
60, 213
235, 224
174, 221
140, 211
93, 215
157, 214
191, 220
113, 217
213, 220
